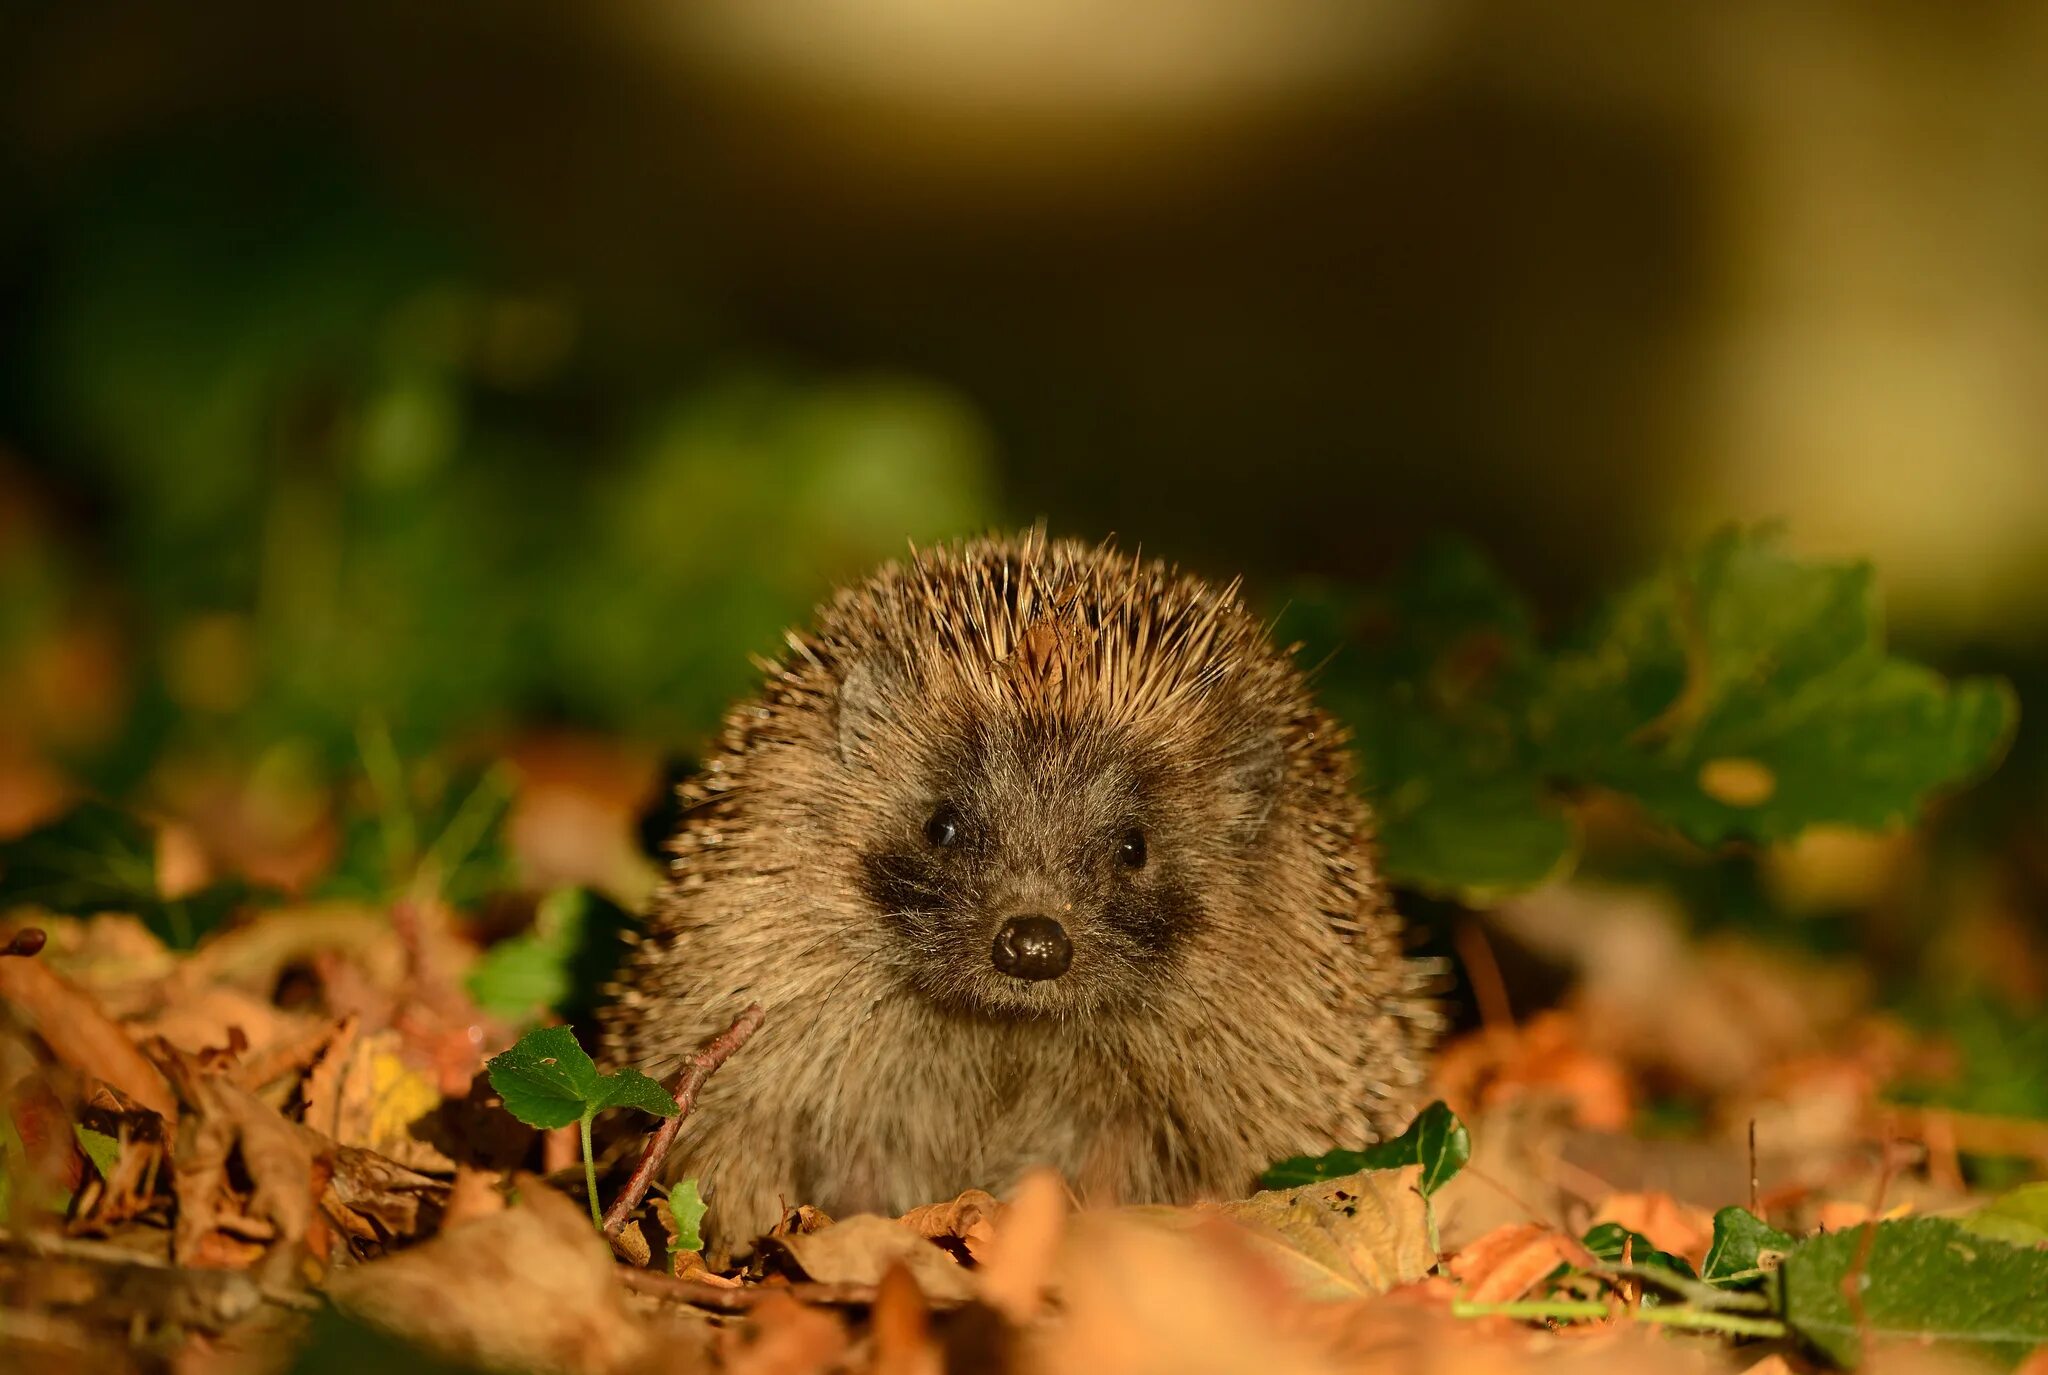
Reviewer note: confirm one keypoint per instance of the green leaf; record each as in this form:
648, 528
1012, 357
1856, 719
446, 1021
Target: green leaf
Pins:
546, 1079
1297, 1170
2020, 1217
1744, 694
1745, 1249
1436, 1140
687, 1207
559, 964
1918, 1279
102, 1150
1610, 1241
629, 1088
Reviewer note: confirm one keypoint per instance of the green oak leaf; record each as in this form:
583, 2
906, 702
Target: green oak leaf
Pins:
1745, 1249
1917, 1280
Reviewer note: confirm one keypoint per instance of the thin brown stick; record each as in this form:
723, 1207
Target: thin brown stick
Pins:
688, 1085
720, 1299
1755, 1180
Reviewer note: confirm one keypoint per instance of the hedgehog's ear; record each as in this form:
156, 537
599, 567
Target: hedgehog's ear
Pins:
864, 709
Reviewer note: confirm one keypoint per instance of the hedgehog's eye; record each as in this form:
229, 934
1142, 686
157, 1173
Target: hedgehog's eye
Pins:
943, 827
1130, 849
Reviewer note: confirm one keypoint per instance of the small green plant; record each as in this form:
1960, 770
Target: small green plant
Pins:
686, 1207
547, 1081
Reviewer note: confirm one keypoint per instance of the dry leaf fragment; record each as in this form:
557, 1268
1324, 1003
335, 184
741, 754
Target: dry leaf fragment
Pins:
969, 1219
860, 1249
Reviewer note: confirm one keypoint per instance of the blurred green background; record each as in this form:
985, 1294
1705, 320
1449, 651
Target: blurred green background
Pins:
506, 375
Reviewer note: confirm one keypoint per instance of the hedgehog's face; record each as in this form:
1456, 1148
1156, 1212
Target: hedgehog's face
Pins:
1026, 868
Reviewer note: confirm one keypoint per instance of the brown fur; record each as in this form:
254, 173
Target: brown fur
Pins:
1239, 998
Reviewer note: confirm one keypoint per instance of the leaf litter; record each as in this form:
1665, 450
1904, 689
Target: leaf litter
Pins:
284, 1117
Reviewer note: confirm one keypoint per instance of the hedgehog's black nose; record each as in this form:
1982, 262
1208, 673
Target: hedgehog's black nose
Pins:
1032, 948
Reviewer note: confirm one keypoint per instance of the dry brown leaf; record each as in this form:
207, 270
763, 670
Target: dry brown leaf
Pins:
365, 1092
970, 1219
860, 1249
1338, 1238
1508, 1262
527, 1288
226, 1122
206, 1018
82, 1036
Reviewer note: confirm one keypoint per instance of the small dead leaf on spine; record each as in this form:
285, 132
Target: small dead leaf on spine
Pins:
1020, 1264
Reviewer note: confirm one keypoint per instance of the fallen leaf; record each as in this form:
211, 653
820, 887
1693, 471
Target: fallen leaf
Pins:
529, 1288
80, 1035
969, 1219
859, 1249
1340, 1238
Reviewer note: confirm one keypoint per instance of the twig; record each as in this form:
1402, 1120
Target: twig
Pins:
1565, 1310
691, 1082
1852, 1278
1755, 1180
720, 1299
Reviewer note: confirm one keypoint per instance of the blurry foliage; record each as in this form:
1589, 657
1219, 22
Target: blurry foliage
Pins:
346, 472
1737, 694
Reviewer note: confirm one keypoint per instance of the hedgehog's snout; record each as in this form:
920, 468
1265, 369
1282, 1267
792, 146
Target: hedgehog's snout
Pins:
1032, 947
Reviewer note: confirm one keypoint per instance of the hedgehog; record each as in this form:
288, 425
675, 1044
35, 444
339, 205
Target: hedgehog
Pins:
1035, 853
